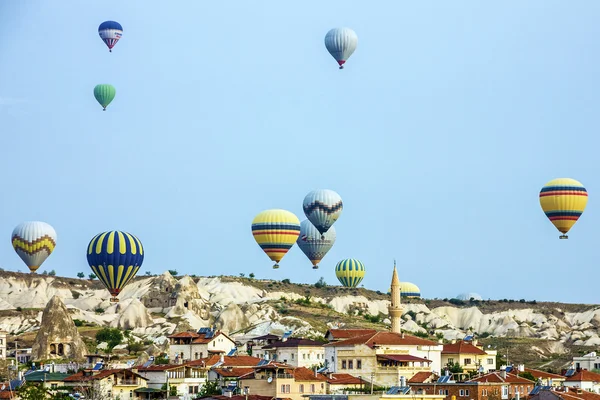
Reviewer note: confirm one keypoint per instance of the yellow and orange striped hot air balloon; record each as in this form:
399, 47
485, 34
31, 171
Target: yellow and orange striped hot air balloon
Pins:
563, 200
276, 231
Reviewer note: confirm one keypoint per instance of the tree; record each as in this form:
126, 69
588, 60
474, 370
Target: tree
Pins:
210, 388
173, 272
30, 391
112, 336
80, 275
162, 359
148, 273
92, 276
321, 283
455, 368
242, 274
251, 275
527, 375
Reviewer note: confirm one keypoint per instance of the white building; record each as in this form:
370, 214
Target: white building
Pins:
3, 336
589, 361
296, 352
584, 379
189, 346
187, 379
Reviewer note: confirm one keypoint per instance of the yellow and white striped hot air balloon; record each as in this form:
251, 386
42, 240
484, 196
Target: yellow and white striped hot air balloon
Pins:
350, 272
276, 231
563, 201
34, 241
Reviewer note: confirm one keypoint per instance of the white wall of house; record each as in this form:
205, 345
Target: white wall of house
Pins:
591, 386
156, 379
302, 356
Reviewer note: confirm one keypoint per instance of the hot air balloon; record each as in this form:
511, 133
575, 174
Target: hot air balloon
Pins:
275, 231
311, 243
322, 207
104, 94
350, 272
563, 200
34, 241
110, 32
115, 257
341, 43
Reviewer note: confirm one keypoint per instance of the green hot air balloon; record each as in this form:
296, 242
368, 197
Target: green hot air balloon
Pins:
104, 94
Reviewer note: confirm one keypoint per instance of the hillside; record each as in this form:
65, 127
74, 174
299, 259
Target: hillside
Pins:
539, 334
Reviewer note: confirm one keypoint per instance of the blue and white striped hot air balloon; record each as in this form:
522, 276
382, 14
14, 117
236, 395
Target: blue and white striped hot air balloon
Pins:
110, 32
341, 43
322, 207
312, 244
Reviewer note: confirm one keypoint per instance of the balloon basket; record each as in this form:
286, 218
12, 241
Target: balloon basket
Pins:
114, 300
341, 67
563, 237
316, 267
276, 266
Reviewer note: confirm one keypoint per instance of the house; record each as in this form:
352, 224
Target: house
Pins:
228, 378
469, 356
334, 335
589, 361
284, 382
383, 357
49, 380
3, 336
492, 386
423, 377
563, 393
187, 379
339, 383
115, 383
584, 379
188, 346
297, 352
254, 347
546, 378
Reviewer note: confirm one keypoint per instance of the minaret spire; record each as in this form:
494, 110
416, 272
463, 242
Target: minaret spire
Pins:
395, 308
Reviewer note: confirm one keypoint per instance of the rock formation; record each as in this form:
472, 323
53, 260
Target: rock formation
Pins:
161, 293
58, 337
132, 315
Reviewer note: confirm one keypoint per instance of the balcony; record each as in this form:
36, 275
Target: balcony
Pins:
127, 382
409, 368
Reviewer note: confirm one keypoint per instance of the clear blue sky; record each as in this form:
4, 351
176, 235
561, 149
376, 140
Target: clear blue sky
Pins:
438, 135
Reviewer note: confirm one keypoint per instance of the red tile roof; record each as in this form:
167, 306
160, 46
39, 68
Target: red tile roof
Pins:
403, 358
348, 333
184, 335
160, 367
420, 377
584, 376
233, 372
344, 379
496, 377
305, 374
571, 394
462, 347
294, 342
542, 374
7, 394
384, 338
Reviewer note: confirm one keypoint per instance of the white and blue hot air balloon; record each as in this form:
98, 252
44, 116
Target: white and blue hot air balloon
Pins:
110, 32
313, 244
341, 43
322, 207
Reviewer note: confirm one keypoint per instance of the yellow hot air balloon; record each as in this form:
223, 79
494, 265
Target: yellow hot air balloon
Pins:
350, 272
276, 231
563, 200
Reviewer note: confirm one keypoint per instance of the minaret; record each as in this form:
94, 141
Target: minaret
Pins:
395, 309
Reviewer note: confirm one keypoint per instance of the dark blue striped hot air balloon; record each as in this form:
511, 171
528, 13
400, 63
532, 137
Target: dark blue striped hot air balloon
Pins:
110, 32
115, 257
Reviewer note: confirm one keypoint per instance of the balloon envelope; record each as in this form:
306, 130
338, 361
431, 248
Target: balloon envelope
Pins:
322, 207
34, 241
275, 231
104, 94
311, 243
563, 200
115, 257
350, 272
341, 43
110, 32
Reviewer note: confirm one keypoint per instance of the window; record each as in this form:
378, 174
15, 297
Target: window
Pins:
312, 387
461, 392
504, 391
344, 364
332, 358
292, 356
131, 394
282, 388
350, 364
490, 361
444, 392
287, 388
301, 388
467, 361
358, 364
451, 361
304, 356
54, 386
466, 392
1, 341
484, 392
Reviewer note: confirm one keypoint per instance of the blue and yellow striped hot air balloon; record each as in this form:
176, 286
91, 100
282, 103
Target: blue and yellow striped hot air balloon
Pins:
563, 201
115, 257
350, 272
276, 231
